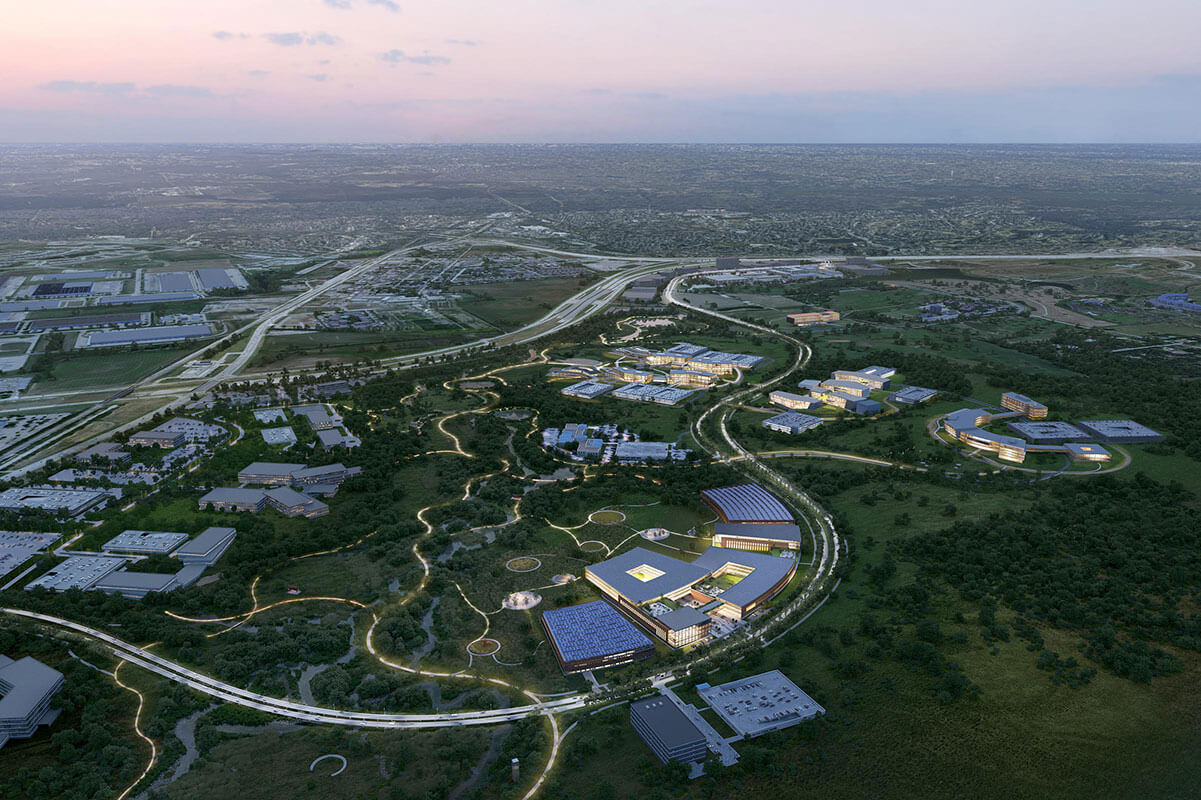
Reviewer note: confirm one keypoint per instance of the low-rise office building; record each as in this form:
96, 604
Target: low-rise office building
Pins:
1120, 431
231, 499
65, 502
153, 438
806, 318
762, 538
631, 375
27, 687
793, 401
792, 422
207, 548
874, 377
279, 436
911, 395
1032, 409
593, 636
691, 379
667, 731
144, 542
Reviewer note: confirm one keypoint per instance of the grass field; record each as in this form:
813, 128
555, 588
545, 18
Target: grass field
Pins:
511, 304
87, 371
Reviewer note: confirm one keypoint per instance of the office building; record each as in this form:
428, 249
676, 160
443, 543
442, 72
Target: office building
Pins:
875, 378
231, 499
318, 416
1032, 409
26, 688
806, 318
911, 395
667, 731
1047, 431
586, 390
593, 636
167, 440
966, 426
795, 402
337, 437
763, 538
109, 452
631, 375
691, 379
270, 473
645, 393
17, 547
760, 704
64, 502
207, 548
1120, 431
643, 451
144, 542
792, 422
75, 572
279, 436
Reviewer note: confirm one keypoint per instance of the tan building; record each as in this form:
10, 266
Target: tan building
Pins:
813, 317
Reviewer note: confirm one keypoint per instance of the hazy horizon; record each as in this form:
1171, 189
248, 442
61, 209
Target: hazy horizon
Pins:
540, 71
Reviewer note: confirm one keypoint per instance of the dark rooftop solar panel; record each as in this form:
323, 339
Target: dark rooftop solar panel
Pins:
592, 630
748, 502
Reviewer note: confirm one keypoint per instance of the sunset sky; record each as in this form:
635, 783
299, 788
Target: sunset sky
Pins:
593, 71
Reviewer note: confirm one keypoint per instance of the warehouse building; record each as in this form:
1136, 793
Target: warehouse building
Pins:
152, 335
593, 636
26, 688
136, 585
667, 731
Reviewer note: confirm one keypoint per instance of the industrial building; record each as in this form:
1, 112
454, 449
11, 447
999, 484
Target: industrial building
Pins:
792, 422
807, 318
152, 335
760, 704
144, 542
26, 688
1120, 431
587, 390
66, 502
1031, 409
748, 502
667, 731
763, 538
593, 636
75, 572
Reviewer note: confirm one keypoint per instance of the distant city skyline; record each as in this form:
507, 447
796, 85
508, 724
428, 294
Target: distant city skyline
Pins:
582, 71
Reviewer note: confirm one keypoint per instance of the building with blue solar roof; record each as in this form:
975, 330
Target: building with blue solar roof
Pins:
748, 503
594, 636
